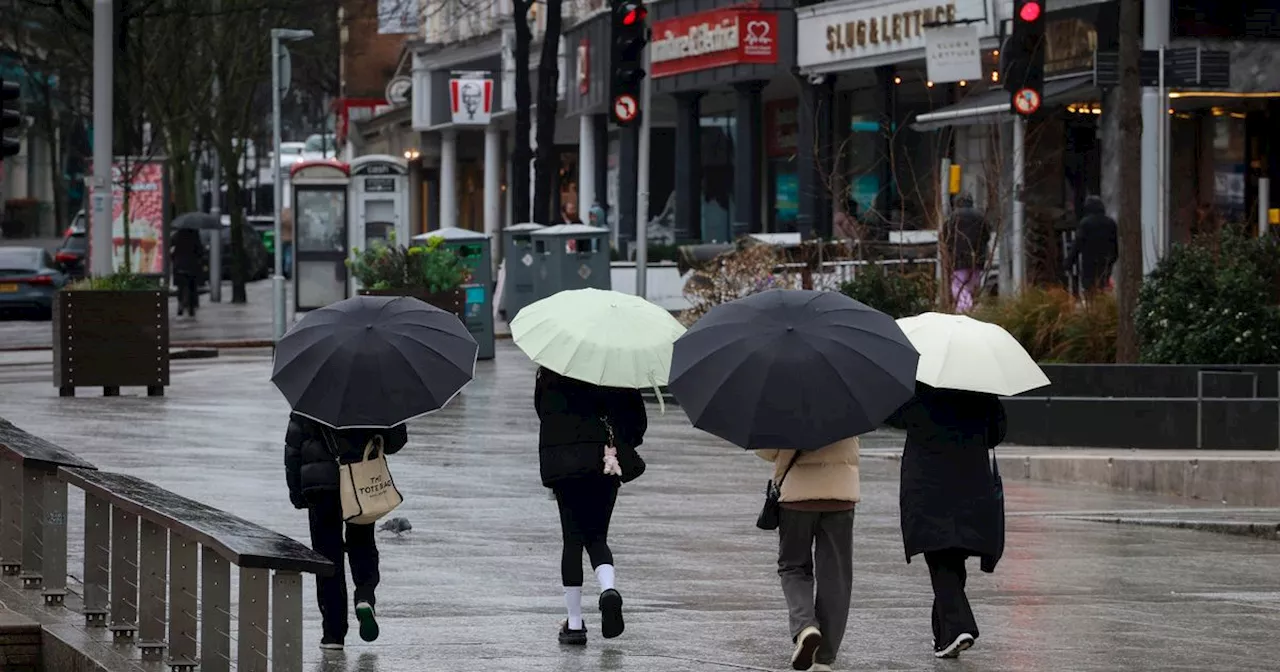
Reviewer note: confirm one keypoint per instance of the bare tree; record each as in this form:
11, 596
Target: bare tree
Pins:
545, 169
1130, 220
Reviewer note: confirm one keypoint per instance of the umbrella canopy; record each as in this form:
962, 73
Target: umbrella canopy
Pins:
373, 361
600, 337
960, 353
792, 369
197, 220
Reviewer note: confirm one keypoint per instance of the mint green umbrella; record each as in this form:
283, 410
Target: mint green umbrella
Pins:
600, 337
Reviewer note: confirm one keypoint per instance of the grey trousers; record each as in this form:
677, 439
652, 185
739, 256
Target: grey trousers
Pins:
815, 550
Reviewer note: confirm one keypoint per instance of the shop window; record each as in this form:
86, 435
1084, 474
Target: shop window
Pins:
718, 136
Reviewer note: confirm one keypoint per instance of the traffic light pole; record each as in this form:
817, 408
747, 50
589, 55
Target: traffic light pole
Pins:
642, 187
100, 215
1018, 249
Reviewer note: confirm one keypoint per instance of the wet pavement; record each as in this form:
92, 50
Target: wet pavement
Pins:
475, 585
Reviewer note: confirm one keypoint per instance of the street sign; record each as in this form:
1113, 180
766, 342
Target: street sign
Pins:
1026, 102
1183, 67
624, 108
398, 89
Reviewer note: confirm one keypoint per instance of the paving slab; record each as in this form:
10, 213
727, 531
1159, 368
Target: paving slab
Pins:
475, 585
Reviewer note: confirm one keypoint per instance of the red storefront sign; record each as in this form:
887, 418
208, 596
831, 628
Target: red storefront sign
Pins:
713, 39
781, 126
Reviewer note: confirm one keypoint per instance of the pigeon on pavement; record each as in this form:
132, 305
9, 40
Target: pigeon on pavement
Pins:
397, 525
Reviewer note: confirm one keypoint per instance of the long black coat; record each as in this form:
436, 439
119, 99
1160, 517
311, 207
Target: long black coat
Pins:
1096, 246
965, 238
187, 252
948, 495
574, 432
310, 465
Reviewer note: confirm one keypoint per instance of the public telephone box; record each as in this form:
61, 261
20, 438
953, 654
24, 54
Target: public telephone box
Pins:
379, 196
320, 238
474, 250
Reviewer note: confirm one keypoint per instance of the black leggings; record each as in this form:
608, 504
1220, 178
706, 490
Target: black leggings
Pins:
586, 506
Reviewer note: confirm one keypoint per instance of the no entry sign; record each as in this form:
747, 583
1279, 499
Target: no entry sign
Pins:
624, 108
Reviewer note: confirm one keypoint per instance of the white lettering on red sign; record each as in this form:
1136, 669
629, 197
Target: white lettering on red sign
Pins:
702, 38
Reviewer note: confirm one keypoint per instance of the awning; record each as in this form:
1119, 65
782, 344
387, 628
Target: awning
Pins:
992, 107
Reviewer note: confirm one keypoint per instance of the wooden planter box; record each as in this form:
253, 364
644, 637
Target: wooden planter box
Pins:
110, 340
453, 302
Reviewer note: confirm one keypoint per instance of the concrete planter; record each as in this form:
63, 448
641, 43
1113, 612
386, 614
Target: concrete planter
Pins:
111, 339
452, 301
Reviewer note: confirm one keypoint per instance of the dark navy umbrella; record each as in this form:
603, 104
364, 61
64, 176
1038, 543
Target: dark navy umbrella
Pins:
373, 361
792, 369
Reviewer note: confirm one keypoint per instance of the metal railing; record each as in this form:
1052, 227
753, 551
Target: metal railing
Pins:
157, 566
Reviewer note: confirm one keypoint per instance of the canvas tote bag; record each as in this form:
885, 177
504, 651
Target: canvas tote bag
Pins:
367, 489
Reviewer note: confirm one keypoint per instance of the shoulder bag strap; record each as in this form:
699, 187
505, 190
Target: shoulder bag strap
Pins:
786, 471
330, 442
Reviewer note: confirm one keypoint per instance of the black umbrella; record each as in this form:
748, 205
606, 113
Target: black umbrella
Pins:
197, 220
792, 369
373, 361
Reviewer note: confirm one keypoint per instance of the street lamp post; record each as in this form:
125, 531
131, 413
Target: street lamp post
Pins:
277, 279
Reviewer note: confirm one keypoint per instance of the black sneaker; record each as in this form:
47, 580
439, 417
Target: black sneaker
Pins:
368, 623
327, 644
952, 650
611, 624
573, 637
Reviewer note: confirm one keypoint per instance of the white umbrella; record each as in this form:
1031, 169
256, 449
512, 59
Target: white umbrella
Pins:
960, 353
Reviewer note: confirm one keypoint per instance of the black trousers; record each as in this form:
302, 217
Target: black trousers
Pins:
586, 506
952, 615
188, 292
327, 538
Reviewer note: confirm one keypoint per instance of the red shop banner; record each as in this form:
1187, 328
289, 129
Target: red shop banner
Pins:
713, 39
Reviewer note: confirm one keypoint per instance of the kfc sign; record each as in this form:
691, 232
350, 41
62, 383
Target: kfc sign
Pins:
713, 39
471, 99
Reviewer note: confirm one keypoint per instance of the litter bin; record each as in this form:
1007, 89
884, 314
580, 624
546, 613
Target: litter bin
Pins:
473, 249
517, 246
570, 256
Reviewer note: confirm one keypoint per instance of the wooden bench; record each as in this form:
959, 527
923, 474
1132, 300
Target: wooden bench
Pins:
33, 510
141, 541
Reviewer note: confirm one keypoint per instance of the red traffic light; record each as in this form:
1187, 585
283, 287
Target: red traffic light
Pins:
634, 15
1030, 12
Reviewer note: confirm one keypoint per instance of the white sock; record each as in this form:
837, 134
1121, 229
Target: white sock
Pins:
573, 604
604, 574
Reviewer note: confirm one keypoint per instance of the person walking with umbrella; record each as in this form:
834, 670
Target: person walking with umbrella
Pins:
334, 367
594, 348
806, 371
951, 496
186, 249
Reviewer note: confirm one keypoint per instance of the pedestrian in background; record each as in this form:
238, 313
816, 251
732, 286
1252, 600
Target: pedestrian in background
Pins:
951, 506
569, 213
586, 448
965, 236
186, 251
312, 454
819, 492
286, 239
1095, 247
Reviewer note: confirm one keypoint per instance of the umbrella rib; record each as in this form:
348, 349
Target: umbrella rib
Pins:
870, 332
431, 352
859, 353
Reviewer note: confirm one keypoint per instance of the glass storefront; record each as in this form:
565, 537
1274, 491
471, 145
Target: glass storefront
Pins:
718, 135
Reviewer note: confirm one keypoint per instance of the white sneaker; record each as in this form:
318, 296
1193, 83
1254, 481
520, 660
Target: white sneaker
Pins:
807, 643
952, 650
820, 667
330, 646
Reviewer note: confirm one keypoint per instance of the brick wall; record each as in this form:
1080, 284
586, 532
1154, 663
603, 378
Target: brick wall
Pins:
368, 60
19, 646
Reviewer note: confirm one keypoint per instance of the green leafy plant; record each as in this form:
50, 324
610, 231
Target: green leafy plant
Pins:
1054, 327
117, 282
428, 268
1213, 301
895, 292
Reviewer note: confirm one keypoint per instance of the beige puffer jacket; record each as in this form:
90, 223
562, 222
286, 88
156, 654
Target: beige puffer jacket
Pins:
829, 473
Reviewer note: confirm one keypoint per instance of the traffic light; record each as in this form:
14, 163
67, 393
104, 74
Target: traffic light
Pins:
10, 119
1022, 58
630, 34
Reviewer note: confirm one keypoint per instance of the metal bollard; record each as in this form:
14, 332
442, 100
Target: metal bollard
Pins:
10, 517
286, 622
54, 540
97, 560
183, 576
152, 581
124, 574
215, 613
255, 592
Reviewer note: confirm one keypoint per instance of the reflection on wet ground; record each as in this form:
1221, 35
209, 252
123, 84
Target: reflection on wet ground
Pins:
475, 584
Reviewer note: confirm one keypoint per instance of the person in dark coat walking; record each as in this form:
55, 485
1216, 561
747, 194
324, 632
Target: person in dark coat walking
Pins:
965, 237
186, 253
586, 448
312, 453
952, 508
1095, 246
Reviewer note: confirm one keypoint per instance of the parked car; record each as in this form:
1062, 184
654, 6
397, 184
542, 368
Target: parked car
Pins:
71, 253
258, 261
29, 279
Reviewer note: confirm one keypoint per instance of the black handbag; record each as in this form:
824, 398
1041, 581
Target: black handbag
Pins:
772, 512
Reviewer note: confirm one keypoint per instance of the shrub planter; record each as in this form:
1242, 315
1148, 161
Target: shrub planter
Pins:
110, 339
453, 301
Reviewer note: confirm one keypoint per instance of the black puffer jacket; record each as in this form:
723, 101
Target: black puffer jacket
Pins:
573, 433
310, 467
